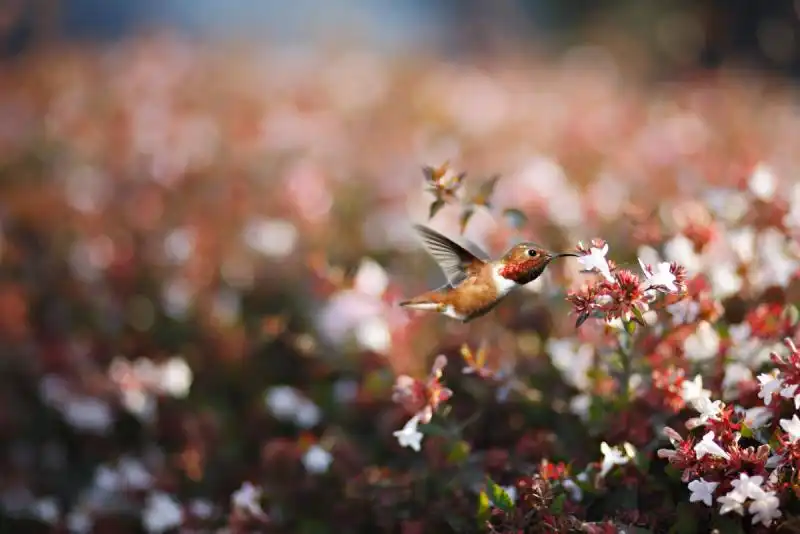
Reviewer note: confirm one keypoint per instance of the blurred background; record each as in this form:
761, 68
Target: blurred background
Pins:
205, 213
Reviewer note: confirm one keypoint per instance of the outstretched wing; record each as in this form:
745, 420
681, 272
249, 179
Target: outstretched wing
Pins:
456, 262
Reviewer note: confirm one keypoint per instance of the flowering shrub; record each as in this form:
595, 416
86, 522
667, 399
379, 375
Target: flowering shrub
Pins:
202, 264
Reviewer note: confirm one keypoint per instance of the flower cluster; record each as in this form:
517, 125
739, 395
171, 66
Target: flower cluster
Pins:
620, 294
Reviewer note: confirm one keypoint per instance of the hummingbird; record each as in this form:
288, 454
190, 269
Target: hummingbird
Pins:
476, 283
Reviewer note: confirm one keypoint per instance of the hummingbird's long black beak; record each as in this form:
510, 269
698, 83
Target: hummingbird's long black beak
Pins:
566, 255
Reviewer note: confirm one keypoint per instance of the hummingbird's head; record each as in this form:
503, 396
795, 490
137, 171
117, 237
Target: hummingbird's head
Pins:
525, 262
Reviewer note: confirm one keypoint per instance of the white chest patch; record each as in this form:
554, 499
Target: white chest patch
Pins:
502, 285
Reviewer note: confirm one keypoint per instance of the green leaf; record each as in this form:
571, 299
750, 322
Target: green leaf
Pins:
630, 327
436, 205
484, 196
459, 452
432, 429
685, 519
466, 215
558, 504
747, 432
727, 524
792, 314
484, 508
515, 218
639, 317
498, 496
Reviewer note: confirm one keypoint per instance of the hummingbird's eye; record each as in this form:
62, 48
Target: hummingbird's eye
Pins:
532, 253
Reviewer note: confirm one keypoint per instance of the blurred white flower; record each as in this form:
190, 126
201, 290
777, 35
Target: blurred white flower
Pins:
580, 404
790, 392
743, 243
373, 334
792, 428
613, 456
247, 499
572, 359
762, 182
89, 414
708, 446
179, 245
770, 384
283, 401
79, 522
757, 416
725, 281
345, 390
271, 237
703, 344
575, 491
308, 414
201, 508
409, 435
680, 249
370, 278
735, 373
161, 513
317, 460
133, 474
47, 510
595, 260
176, 377
702, 491
692, 390
684, 311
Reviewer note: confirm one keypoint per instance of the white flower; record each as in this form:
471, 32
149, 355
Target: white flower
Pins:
748, 486
702, 491
765, 508
308, 414
762, 182
703, 344
317, 460
613, 456
595, 260
680, 249
573, 360
371, 278
735, 373
732, 502
161, 513
770, 384
708, 446
792, 427
575, 491
176, 377
708, 410
692, 390
47, 510
409, 436
78, 522
246, 499
791, 391
684, 311
661, 278
283, 401
133, 474
757, 417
